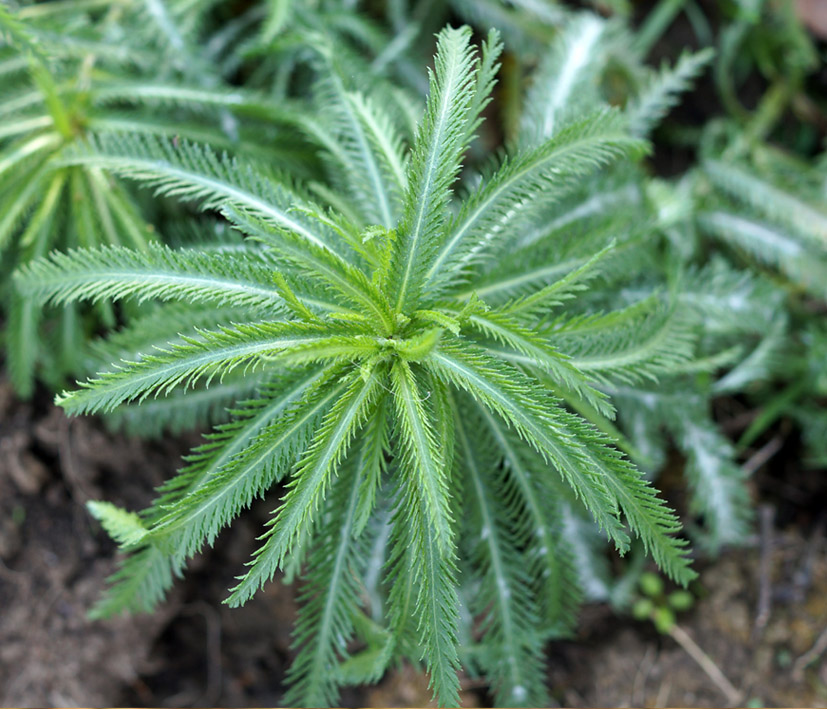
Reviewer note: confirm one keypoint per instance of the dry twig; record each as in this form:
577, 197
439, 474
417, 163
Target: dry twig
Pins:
801, 664
762, 616
680, 636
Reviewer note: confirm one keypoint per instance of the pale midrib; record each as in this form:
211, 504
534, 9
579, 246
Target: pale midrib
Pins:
560, 458
479, 213
192, 397
425, 199
476, 214
578, 58
319, 669
541, 356
496, 560
159, 12
429, 467
435, 575
179, 94
736, 225
25, 126
161, 371
174, 279
164, 169
629, 356
30, 98
525, 277
34, 145
144, 125
386, 146
529, 496
15, 63
289, 519
373, 169
762, 194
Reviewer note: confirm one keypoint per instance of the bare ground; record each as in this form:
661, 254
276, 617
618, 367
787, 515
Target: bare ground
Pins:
760, 617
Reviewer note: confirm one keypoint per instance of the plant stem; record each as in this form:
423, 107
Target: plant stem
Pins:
656, 24
770, 413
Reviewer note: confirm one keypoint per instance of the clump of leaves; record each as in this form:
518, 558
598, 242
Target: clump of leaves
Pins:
656, 605
408, 383
764, 209
68, 73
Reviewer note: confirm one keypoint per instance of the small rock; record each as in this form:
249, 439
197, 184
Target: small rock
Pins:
26, 472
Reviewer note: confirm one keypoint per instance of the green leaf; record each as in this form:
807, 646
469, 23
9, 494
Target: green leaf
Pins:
330, 598
662, 91
422, 458
191, 275
189, 171
243, 459
504, 197
422, 577
208, 355
124, 527
536, 521
566, 81
542, 354
514, 647
435, 162
782, 206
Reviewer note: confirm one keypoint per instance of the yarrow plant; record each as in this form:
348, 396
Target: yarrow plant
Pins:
453, 376
395, 370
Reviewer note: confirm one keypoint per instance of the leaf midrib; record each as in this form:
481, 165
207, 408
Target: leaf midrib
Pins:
164, 370
436, 150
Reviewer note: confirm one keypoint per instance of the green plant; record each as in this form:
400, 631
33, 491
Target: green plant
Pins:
657, 606
410, 374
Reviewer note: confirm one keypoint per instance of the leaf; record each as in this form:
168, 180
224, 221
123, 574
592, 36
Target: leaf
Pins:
365, 146
208, 355
542, 354
629, 345
435, 162
421, 457
566, 79
771, 245
243, 459
330, 598
780, 205
493, 210
514, 657
190, 275
662, 91
189, 171
536, 520
539, 421
124, 527
421, 569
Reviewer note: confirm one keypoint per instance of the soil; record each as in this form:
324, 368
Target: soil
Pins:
195, 651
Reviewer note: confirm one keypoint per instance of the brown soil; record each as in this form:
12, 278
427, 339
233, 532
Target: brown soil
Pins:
54, 562
628, 664
196, 652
